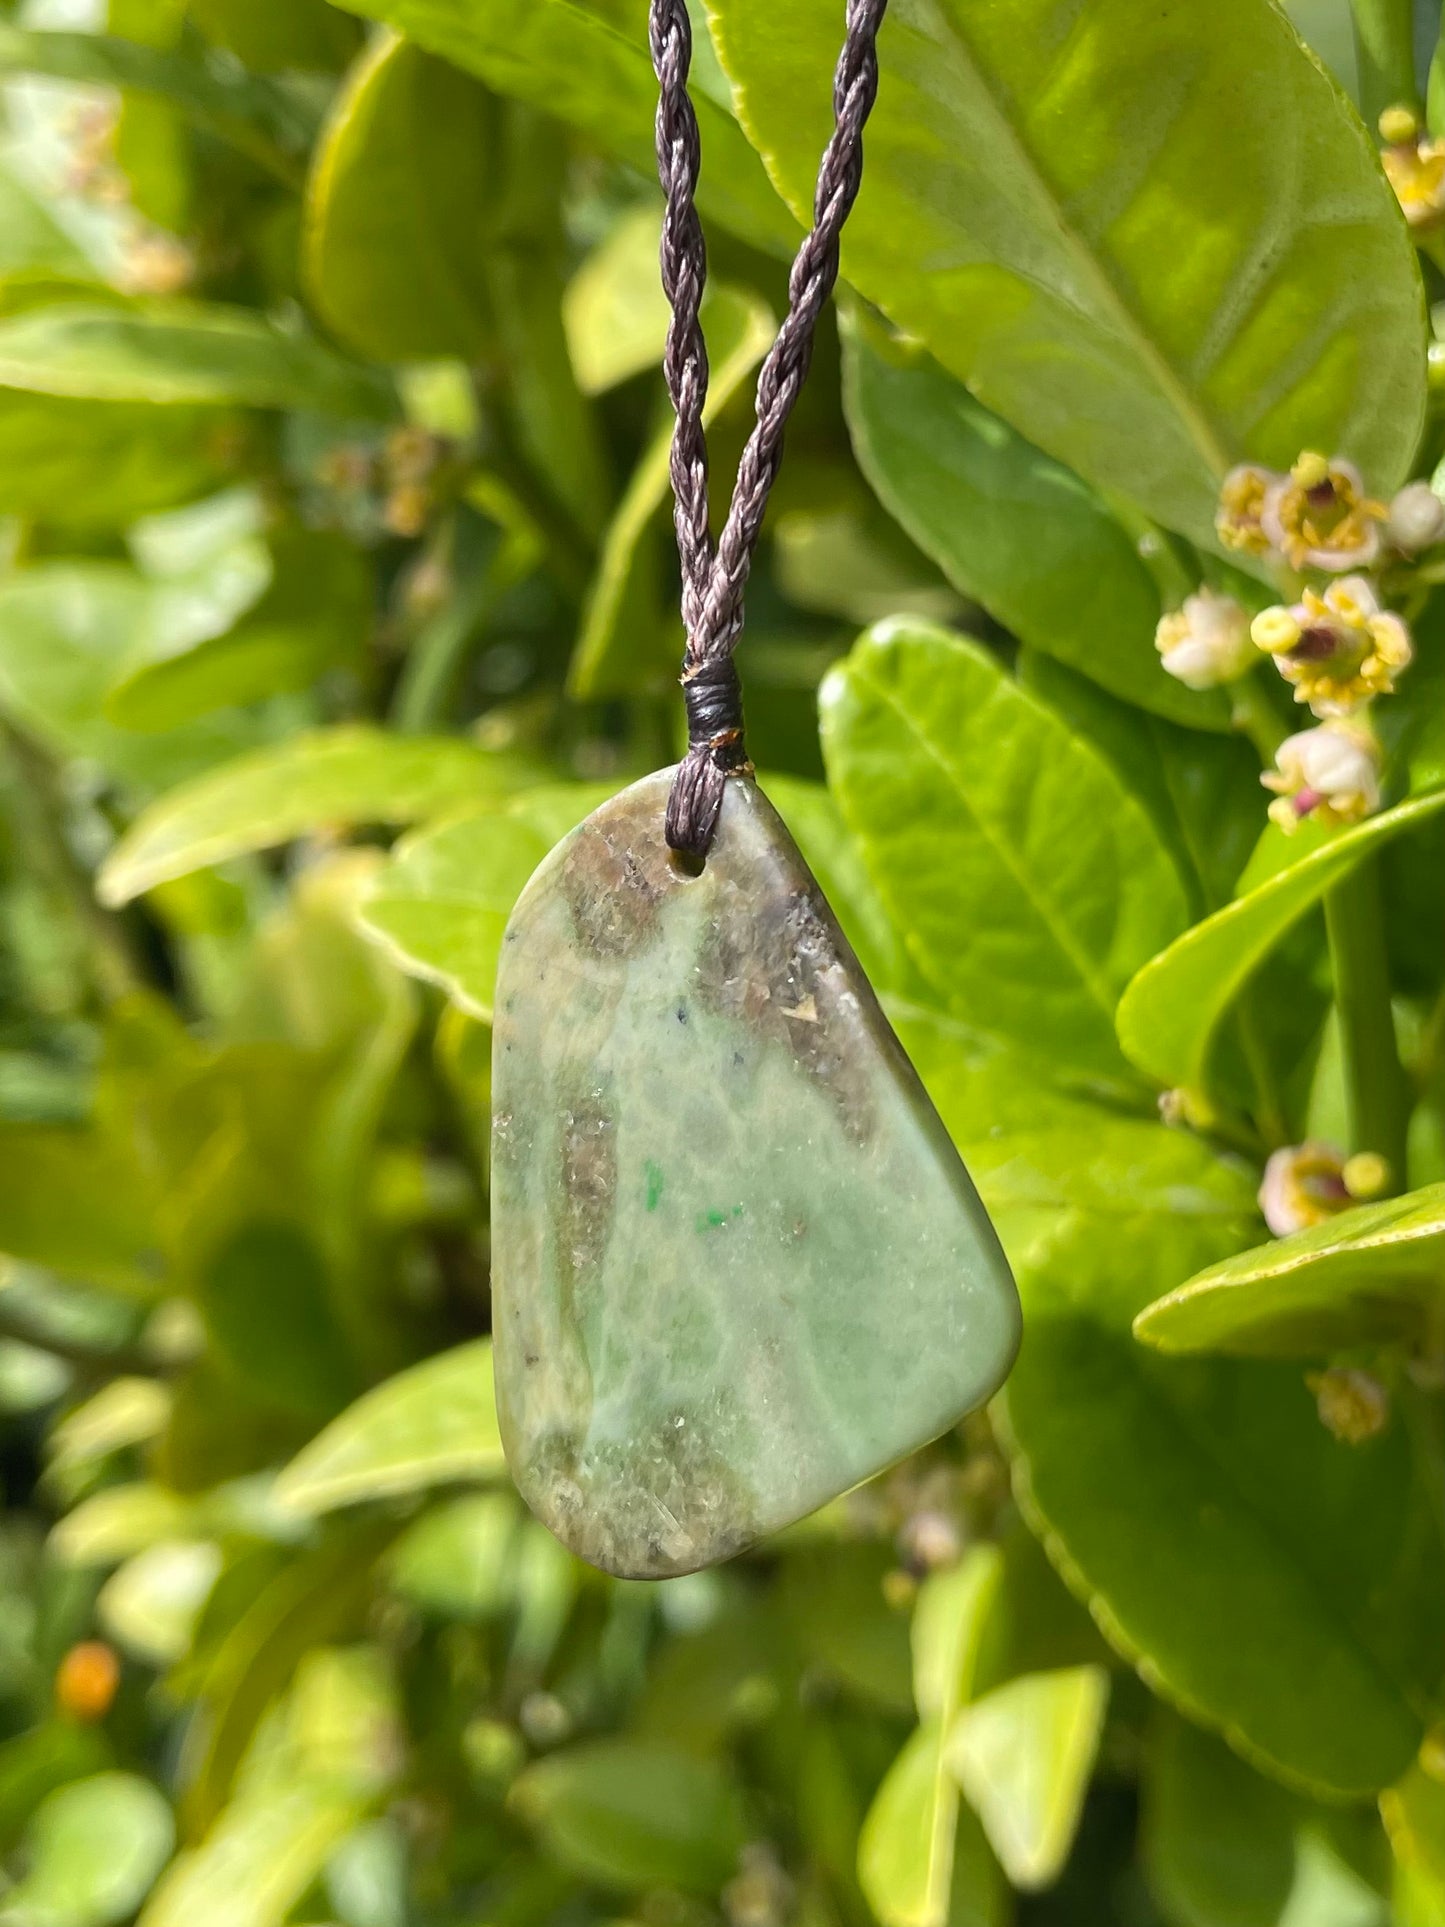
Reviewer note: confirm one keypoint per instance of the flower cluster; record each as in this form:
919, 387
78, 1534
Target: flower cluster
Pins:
1337, 644
1414, 167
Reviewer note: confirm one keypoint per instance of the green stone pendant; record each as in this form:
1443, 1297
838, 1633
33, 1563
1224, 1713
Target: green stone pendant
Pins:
737, 1265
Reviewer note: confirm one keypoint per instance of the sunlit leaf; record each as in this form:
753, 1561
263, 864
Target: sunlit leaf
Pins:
1170, 1013
94, 1850
329, 779
1007, 224
1365, 1277
435, 1424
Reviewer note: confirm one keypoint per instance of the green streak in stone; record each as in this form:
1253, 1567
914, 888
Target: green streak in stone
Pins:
817, 1290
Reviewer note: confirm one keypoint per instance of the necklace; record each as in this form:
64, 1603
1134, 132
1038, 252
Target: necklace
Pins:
737, 1264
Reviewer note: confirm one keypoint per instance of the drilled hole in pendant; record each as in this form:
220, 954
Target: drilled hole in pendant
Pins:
686, 865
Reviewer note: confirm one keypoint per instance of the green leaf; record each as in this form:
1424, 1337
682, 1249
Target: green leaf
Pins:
276, 36
397, 208
79, 1202
93, 464
434, 1424
1171, 1012
33, 244
1059, 270
326, 779
174, 352
569, 59
118, 1522
441, 904
1027, 881
1201, 791
259, 1859
150, 1607
631, 1815
94, 1850
907, 1844
1414, 1817
615, 311
1024, 1755
1225, 1848
256, 119
1267, 1537
315, 614
64, 628
1010, 529
1369, 1276
616, 653
266, 1300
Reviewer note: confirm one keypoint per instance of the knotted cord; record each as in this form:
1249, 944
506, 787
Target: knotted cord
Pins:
714, 578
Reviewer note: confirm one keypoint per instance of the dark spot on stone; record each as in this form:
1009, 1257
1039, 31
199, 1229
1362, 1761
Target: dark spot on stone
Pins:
610, 879
682, 1013
533, 1359
587, 1196
781, 967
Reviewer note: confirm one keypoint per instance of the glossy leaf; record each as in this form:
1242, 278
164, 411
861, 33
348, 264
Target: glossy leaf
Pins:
1202, 791
1010, 529
1221, 1844
617, 650
1171, 1012
174, 353
628, 1815
258, 1860
1026, 879
94, 1850
441, 904
397, 206
434, 1424
1041, 258
907, 1846
1368, 1276
1024, 1755
1222, 1469
575, 63
328, 779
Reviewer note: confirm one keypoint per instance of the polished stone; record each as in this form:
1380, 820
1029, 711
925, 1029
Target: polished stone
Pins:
737, 1265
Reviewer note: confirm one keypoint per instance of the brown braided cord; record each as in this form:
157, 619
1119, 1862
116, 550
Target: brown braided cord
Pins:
714, 580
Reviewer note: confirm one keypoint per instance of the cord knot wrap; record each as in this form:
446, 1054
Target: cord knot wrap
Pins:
713, 696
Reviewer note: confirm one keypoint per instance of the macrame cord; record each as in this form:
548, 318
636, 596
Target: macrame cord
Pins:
714, 579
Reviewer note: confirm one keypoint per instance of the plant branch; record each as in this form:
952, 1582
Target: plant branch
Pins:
1379, 1093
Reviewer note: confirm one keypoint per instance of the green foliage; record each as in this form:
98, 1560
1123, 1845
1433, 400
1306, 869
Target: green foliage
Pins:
336, 586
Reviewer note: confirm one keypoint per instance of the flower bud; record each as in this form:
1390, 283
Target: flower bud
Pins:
1416, 519
1241, 503
1331, 773
1303, 1186
1206, 642
1353, 1405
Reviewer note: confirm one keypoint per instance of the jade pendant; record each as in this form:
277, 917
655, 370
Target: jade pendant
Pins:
737, 1264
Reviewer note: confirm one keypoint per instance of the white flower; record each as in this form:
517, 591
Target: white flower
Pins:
1206, 642
1319, 516
1338, 649
1303, 1185
1331, 773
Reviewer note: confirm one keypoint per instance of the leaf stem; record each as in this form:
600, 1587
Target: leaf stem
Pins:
1254, 716
1379, 1093
1385, 50
428, 680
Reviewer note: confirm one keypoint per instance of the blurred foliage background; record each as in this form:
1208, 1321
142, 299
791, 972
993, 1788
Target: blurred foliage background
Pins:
336, 583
